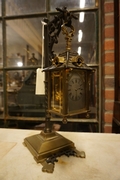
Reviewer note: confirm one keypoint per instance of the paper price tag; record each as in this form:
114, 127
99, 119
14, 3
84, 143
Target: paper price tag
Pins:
40, 78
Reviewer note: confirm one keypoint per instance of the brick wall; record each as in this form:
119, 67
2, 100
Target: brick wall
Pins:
107, 64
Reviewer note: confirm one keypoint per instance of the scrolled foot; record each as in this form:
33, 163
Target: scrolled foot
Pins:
47, 167
80, 154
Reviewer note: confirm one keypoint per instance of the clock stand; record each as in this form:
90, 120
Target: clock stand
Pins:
47, 146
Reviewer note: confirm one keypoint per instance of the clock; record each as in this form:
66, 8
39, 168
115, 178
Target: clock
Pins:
76, 91
76, 87
68, 80
67, 88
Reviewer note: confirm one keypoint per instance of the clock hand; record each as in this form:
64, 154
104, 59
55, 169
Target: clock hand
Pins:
78, 89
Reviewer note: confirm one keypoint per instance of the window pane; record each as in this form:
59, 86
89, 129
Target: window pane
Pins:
24, 42
71, 4
93, 95
84, 37
1, 94
0, 7
18, 7
1, 59
84, 40
22, 100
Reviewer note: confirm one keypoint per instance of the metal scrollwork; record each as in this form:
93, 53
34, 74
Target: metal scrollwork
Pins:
64, 18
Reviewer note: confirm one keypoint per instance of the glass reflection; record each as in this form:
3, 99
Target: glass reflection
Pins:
71, 4
84, 40
93, 101
1, 60
0, 7
93, 95
18, 7
22, 100
1, 94
24, 46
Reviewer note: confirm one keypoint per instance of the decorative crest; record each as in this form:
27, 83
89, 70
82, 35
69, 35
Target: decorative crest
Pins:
60, 22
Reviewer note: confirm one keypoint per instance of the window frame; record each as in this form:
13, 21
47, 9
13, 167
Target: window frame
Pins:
4, 69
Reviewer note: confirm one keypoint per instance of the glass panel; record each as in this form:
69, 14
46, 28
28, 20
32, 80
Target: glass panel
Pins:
0, 8
1, 59
71, 4
93, 101
93, 95
84, 40
56, 91
119, 50
1, 94
18, 7
24, 45
22, 100
76, 90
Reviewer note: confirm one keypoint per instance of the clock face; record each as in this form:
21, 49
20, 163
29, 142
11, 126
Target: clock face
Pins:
75, 88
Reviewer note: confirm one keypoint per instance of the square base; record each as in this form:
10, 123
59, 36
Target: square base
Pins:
43, 145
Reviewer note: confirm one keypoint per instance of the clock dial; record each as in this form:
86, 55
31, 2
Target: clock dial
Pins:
75, 88
76, 91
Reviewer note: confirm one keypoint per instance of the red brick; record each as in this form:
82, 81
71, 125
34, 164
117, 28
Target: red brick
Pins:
108, 117
109, 19
109, 57
109, 44
108, 7
109, 94
109, 70
108, 128
109, 106
109, 32
109, 82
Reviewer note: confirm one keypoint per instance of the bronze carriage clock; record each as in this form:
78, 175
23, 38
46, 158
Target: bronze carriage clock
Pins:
68, 84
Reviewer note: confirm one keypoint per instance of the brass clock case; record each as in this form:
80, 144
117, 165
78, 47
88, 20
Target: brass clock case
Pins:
68, 86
